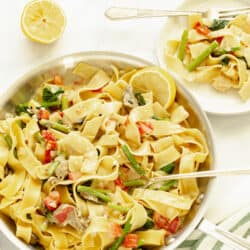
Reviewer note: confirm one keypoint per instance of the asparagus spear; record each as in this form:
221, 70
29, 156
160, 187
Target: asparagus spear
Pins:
53, 167
38, 137
118, 207
183, 43
168, 168
167, 185
134, 183
54, 125
94, 192
135, 165
198, 60
120, 240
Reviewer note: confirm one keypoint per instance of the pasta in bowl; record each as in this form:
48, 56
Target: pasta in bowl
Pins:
81, 146
213, 51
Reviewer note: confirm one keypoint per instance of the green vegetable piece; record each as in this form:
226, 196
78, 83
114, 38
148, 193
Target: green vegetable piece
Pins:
134, 183
197, 61
233, 49
183, 44
52, 167
8, 141
49, 96
156, 118
94, 192
22, 108
47, 105
225, 60
38, 137
168, 168
168, 185
135, 165
119, 208
149, 224
120, 240
140, 99
65, 102
218, 24
54, 125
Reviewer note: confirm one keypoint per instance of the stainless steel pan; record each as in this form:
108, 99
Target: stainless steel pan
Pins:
25, 87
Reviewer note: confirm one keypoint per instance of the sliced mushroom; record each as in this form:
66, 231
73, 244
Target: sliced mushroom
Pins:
129, 99
62, 170
67, 214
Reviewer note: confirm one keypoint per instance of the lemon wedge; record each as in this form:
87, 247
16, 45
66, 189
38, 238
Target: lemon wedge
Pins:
43, 21
157, 81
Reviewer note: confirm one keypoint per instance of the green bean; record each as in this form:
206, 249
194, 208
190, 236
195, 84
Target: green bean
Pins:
168, 168
183, 44
120, 240
55, 125
134, 183
94, 192
168, 185
118, 207
198, 60
38, 137
52, 167
135, 165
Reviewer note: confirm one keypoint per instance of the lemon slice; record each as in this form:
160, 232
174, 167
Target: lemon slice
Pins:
157, 81
43, 21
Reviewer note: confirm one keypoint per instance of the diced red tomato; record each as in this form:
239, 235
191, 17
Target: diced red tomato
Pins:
219, 39
63, 214
51, 143
144, 127
74, 175
131, 241
117, 230
43, 114
163, 223
52, 201
201, 29
119, 183
61, 113
174, 225
57, 80
47, 156
47, 135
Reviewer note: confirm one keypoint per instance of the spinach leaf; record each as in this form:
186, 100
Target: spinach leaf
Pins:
49, 96
218, 24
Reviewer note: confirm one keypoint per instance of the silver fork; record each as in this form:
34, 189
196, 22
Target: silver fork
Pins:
117, 13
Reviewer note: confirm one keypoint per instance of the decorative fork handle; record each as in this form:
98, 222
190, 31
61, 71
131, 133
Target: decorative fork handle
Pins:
199, 174
116, 13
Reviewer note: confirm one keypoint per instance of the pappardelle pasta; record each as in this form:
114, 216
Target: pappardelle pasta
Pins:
214, 52
75, 158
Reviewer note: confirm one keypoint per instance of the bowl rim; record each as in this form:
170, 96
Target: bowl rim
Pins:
71, 60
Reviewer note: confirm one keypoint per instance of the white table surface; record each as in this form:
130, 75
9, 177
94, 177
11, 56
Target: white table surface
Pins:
88, 29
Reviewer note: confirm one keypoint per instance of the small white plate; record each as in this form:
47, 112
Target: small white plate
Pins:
211, 101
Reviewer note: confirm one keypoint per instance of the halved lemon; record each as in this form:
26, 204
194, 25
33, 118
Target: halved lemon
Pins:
43, 21
158, 81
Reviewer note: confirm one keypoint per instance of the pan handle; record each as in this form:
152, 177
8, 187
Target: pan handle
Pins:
232, 240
